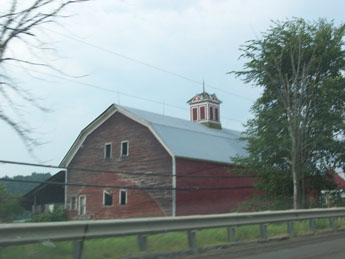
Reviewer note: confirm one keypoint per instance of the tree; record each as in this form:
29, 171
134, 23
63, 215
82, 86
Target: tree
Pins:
22, 187
19, 23
298, 129
9, 205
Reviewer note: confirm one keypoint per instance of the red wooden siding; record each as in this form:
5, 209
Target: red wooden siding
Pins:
209, 202
146, 155
139, 202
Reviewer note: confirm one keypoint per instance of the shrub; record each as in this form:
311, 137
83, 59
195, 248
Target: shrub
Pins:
58, 214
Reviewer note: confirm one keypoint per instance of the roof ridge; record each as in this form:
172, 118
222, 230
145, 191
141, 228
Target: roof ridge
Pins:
180, 119
207, 133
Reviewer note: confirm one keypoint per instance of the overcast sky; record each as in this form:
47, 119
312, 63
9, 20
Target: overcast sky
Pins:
148, 54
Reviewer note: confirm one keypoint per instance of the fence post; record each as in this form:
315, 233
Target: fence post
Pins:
263, 231
231, 233
78, 246
142, 242
312, 225
331, 223
290, 229
192, 241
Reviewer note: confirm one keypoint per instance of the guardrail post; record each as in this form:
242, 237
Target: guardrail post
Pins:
78, 249
312, 225
192, 241
290, 229
331, 223
263, 231
231, 233
142, 242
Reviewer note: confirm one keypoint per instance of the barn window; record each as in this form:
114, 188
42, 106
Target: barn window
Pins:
107, 151
216, 114
107, 198
82, 205
202, 113
124, 148
211, 113
195, 114
73, 203
123, 197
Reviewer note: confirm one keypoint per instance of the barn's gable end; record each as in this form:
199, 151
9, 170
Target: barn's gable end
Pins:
146, 156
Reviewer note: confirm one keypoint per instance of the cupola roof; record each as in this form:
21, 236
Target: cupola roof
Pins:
204, 97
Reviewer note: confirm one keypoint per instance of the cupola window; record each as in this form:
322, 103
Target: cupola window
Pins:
216, 114
202, 113
195, 114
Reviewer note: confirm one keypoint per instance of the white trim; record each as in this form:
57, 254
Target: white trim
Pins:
84, 133
126, 200
109, 193
66, 180
173, 186
197, 113
111, 150
205, 111
124, 141
75, 204
146, 124
99, 121
80, 196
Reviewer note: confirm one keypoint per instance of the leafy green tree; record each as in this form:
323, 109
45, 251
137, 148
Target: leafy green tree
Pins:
298, 128
23, 187
9, 205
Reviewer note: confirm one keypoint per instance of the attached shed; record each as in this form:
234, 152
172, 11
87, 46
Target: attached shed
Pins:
44, 196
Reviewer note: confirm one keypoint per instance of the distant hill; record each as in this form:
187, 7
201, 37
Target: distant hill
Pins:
21, 187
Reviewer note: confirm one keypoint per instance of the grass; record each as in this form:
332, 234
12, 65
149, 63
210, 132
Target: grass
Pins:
38, 251
121, 246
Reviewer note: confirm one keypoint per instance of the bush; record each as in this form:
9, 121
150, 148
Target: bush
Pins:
263, 203
58, 214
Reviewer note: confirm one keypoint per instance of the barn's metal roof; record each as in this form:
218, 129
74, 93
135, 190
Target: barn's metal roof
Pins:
193, 140
181, 138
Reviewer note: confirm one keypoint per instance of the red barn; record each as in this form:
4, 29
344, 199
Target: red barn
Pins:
152, 165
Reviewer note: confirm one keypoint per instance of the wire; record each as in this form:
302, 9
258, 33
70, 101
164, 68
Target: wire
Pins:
117, 92
147, 64
128, 173
130, 187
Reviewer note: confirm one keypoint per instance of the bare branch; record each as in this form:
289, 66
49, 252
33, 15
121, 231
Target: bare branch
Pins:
20, 22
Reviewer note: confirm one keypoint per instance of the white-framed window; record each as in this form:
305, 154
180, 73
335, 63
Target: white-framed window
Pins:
124, 148
107, 198
216, 114
107, 150
73, 203
123, 197
194, 114
82, 205
202, 113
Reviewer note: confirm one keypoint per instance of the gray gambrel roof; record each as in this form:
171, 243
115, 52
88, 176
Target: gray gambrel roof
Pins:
181, 138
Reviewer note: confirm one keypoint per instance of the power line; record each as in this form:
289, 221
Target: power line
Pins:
147, 64
129, 173
129, 187
116, 91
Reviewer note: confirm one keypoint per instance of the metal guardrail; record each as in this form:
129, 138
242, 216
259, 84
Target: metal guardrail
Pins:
22, 233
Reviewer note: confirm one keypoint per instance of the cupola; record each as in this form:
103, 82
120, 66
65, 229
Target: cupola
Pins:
204, 109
